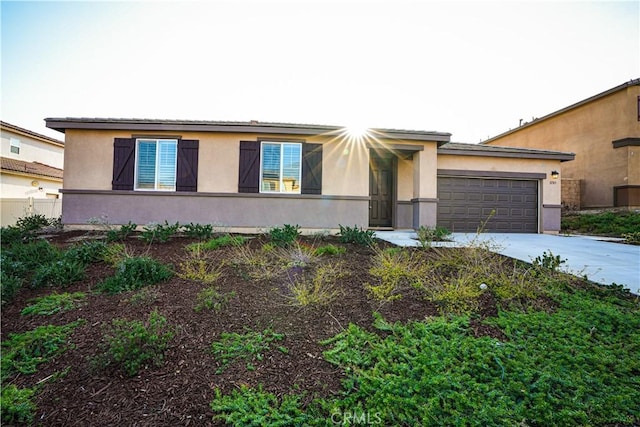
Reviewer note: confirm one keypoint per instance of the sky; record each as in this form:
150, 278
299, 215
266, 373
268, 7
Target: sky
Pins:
474, 69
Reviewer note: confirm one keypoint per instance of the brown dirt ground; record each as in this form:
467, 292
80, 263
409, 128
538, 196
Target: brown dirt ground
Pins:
179, 391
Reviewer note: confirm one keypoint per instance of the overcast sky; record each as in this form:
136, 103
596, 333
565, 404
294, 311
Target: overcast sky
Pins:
470, 68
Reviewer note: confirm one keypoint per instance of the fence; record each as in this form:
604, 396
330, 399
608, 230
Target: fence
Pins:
12, 209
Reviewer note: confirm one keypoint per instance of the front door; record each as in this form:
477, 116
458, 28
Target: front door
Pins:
381, 191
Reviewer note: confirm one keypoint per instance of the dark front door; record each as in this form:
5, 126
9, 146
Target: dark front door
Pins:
380, 191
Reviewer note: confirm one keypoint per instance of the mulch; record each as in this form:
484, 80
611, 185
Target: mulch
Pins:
179, 391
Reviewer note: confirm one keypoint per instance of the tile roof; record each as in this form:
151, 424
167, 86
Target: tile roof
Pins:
32, 168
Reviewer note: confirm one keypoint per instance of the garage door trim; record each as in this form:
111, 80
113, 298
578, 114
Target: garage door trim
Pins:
491, 174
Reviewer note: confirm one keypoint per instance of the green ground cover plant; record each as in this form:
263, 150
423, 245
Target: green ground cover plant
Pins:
22, 353
329, 249
211, 298
134, 273
217, 243
249, 346
17, 405
605, 223
120, 234
159, 233
132, 345
198, 231
284, 236
54, 303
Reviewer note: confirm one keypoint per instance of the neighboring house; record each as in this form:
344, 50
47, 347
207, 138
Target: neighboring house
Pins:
251, 175
604, 133
31, 169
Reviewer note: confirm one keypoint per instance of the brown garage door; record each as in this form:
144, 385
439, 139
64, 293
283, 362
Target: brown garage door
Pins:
463, 203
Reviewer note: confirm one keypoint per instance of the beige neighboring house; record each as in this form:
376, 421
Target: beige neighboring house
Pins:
31, 173
255, 175
604, 133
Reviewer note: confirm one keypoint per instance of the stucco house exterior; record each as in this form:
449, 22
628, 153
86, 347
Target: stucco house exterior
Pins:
604, 133
31, 163
252, 175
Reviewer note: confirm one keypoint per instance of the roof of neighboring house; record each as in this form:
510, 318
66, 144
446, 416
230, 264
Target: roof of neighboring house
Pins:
31, 168
27, 132
496, 151
633, 82
62, 124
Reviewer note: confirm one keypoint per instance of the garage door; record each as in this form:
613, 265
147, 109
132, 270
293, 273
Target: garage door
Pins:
463, 203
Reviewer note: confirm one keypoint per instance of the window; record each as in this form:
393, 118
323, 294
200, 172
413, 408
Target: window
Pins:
15, 145
156, 161
280, 167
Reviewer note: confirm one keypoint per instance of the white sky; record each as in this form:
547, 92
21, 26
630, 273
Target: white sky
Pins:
470, 68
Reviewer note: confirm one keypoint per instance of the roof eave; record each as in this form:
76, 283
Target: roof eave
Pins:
563, 157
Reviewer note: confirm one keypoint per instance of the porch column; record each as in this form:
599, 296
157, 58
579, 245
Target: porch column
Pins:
425, 187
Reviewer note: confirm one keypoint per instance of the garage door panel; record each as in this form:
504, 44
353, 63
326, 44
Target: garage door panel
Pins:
514, 204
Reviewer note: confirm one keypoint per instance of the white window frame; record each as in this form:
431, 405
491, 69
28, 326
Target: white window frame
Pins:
281, 181
14, 143
157, 164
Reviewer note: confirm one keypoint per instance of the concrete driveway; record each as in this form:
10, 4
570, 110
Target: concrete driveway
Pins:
601, 261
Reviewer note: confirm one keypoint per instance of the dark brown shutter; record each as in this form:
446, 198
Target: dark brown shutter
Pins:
187, 165
249, 176
123, 163
311, 168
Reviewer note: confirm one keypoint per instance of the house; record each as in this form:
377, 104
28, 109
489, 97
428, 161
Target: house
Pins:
604, 133
30, 171
252, 175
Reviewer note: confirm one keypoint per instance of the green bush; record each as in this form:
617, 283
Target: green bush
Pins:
22, 353
160, 233
122, 233
218, 242
134, 273
10, 235
607, 223
249, 346
132, 345
33, 222
251, 407
58, 273
427, 235
54, 303
21, 259
9, 287
198, 231
356, 235
17, 405
284, 236
86, 252
329, 250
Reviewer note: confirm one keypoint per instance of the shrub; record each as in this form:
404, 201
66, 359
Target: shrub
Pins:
134, 273
329, 250
284, 236
161, 233
86, 253
250, 407
548, 261
427, 235
22, 353
132, 345
114, 253
198, 231
320, 290
21, 259
633, 237
17, 405
10, 235
356, 235
9, 287
396, 269
211, 298
199, 268
59, 273
249, 346
121, 234
218, 242
33, 222
54, 303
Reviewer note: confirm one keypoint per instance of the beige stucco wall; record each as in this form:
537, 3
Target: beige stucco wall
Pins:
588, 131
31, 149
22, 186
550, 187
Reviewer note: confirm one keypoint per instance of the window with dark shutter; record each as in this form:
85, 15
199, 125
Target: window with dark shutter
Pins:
123, 163
249, 168
311, 168
187, 165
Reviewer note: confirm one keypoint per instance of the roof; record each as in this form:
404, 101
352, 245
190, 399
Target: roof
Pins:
31, 168
496, 151
27, 132
62, 124
630, 83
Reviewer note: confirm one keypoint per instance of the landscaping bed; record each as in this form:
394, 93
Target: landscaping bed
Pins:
318, 331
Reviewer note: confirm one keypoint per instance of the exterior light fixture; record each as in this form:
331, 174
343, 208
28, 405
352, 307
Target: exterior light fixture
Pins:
555, 174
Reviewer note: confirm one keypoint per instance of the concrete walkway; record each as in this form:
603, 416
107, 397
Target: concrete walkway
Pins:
601, 261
